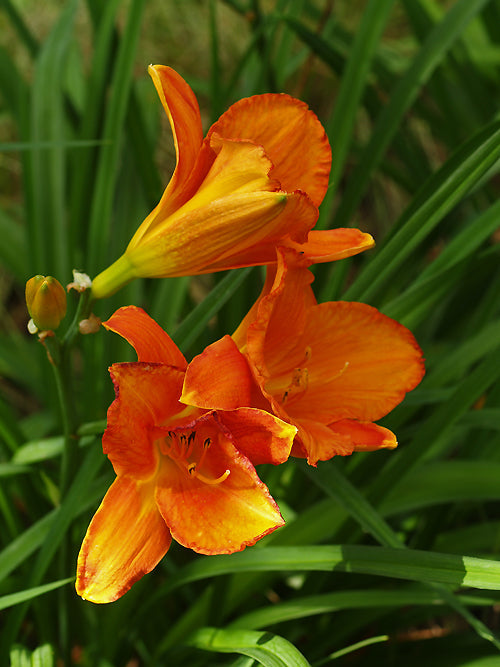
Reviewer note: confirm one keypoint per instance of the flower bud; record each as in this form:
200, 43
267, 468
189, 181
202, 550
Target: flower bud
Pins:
46, 301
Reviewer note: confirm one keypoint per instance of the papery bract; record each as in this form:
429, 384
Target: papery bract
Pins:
254, 182
331, 369
182, 472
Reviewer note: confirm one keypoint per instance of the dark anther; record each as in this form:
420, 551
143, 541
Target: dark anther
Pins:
207, 443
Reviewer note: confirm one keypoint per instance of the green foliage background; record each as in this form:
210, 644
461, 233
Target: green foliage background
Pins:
387, 558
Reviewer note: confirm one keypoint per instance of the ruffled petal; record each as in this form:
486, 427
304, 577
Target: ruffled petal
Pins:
147, 396
365, 436
258, 435
291, 135
212, 511
332, 244
126, 539
218, 378
149, 340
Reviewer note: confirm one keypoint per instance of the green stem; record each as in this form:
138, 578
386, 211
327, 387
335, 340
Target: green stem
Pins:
59, 352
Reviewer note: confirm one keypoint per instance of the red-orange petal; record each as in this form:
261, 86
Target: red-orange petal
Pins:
149, 340
291, 135
218, 378
274, 338
126, 539
317, 442
216, 518
258, 435
365, 436
147, 396
361, 365
332, 244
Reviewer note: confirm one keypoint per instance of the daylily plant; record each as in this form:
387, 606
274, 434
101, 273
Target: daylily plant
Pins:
256, 180
182, 472
330, 369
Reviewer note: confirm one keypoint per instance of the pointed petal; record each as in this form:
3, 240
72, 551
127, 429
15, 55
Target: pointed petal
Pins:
149, 340
126, 539
183, 112
365, 436
332, 244
274, 339
227, 388
291, 135
361, 365
146, 397
260, 436
216, 518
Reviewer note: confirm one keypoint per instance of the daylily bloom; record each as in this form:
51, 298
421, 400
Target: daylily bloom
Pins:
256, 180
331, 369
182, 472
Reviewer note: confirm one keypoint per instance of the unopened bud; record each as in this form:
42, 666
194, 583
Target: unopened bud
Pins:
46, 301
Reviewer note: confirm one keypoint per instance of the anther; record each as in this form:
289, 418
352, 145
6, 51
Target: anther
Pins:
207, 443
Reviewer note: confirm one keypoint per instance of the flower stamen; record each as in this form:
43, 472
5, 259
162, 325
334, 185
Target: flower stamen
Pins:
179, 448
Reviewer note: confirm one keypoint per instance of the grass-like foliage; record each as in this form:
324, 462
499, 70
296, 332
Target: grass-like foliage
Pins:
386, 558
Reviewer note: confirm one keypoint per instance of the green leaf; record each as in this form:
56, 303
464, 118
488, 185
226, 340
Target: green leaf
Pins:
31, 593
191, 327
268, 649
411, 564
436, 198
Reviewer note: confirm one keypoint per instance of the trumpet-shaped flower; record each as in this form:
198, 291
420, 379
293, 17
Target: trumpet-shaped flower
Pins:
182, 472
331, 369
255, 181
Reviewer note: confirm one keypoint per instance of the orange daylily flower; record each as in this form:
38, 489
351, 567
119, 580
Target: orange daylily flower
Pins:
256, 180
331, 369
182, 472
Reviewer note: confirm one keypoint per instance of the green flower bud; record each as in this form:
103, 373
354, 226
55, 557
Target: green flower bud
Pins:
46, 301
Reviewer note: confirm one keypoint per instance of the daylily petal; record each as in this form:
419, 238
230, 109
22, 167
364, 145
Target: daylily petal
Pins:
147, 396
271, 344
258, 435
236, 218
126, 539
181, 107
365, 436
332, 244
317, 442
232, 232
225, 514
291, 135
218, 378
149, 340
361, 363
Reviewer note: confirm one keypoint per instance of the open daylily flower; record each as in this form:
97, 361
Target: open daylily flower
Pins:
182, 472
331, 369
256, 180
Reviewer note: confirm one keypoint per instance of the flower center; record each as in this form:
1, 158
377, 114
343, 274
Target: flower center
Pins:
292, 384
189, 454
